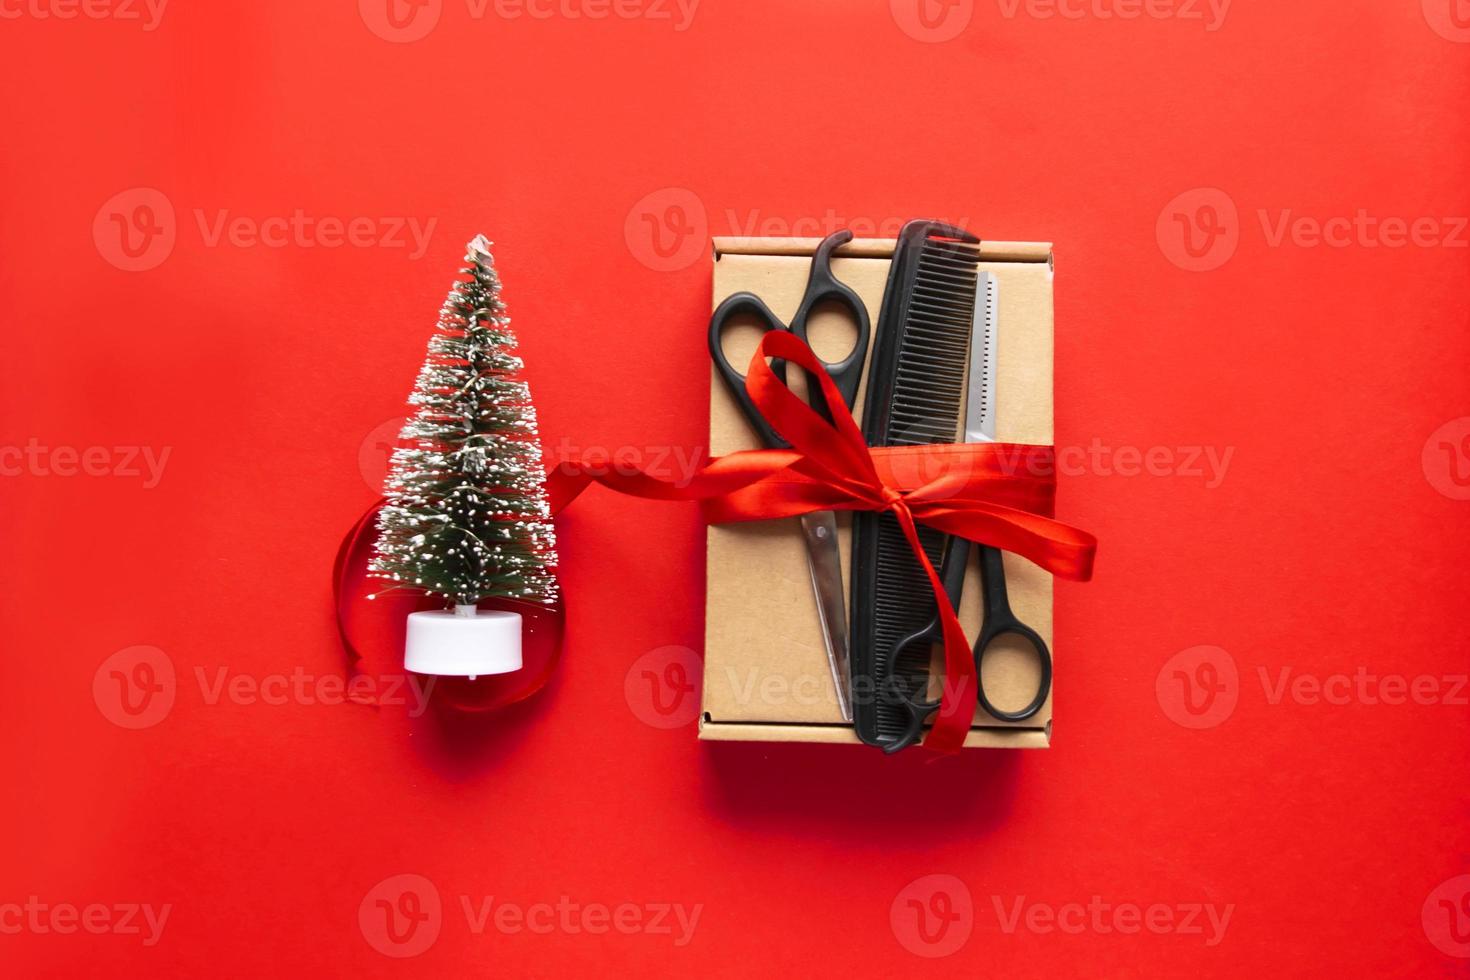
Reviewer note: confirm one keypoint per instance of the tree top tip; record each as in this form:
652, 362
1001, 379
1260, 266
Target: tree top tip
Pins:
479, 250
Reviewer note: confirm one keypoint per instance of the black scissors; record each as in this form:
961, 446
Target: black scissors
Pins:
820, 528
821, 287
999, 621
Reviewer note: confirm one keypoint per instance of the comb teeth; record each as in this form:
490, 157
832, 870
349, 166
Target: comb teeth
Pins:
984, 368
929, 378
928, 392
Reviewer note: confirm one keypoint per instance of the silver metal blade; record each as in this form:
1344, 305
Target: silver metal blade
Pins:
980, 402
824, 559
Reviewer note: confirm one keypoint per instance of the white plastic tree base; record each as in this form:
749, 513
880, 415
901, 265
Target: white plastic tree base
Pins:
463, 643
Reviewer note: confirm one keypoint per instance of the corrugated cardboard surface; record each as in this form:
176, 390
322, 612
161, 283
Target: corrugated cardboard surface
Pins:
765, 668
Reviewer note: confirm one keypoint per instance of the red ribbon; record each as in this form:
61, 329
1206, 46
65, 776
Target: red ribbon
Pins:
1000, 494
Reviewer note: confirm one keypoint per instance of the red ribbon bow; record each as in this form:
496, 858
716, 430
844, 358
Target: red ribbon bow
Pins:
1000, 494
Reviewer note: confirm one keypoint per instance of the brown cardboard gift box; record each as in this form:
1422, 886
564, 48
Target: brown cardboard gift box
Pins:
766, 676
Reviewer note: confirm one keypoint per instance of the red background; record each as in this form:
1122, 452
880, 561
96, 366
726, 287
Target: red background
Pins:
1329, 546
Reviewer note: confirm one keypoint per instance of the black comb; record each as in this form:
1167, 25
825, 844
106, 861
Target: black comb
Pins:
916, 396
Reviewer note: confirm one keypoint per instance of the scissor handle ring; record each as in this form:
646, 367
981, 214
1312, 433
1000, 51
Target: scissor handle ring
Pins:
821, 287
1013, 627
733, 306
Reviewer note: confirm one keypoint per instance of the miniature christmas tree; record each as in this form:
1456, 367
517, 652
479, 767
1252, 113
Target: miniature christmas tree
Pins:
467, 516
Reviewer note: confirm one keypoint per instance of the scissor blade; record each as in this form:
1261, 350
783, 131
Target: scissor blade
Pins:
980, 402
825, 561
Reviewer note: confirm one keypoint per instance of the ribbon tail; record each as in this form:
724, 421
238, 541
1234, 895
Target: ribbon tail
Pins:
567, 478
564, 485
1065, 551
